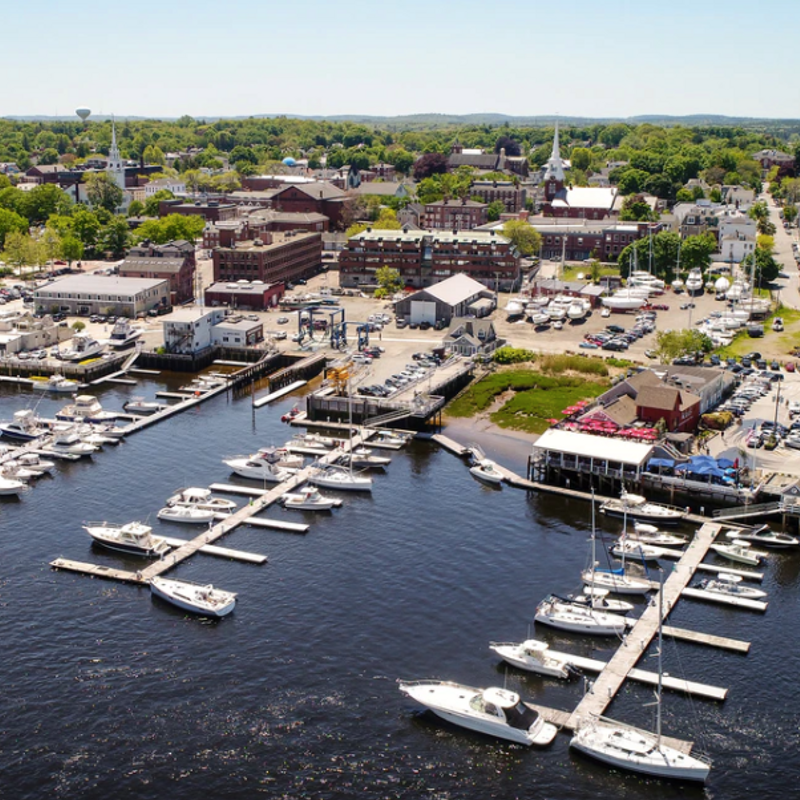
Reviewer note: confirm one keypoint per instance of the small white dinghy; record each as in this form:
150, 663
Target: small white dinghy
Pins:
492, 711
310, 499
189, 514
533, 655
194, 597
737, 551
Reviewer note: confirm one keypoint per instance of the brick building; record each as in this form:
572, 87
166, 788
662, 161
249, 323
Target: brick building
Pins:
452, 215
280, 257
245, 295
173, 262
426, 257
211, 210
513, 197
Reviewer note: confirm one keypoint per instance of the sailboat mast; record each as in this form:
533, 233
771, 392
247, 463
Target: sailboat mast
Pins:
594, 544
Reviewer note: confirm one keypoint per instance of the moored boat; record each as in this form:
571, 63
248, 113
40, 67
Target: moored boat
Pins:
189, 514
341, 479
533, 655
764, 537
639, 508
492, 711
737, 551
201, 498
58, 383
86, 407
563, 614
309, 499
258, 468
24, 427
732, 586
486, 471
198, 598
142, 407
10, 486
132, 537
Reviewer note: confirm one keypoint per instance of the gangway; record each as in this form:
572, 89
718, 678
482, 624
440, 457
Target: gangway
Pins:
751, 510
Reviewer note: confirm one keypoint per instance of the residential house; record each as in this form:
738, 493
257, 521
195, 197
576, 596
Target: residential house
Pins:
455, 215
469, 337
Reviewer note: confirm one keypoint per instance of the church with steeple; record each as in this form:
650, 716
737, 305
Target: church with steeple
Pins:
115, 166
561, 199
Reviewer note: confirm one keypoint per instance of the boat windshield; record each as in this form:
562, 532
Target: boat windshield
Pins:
521, 716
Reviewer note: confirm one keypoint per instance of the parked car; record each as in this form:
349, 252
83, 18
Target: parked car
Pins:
283, 320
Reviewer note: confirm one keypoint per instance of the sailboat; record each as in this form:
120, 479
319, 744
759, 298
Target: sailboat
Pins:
636, 750
615, 580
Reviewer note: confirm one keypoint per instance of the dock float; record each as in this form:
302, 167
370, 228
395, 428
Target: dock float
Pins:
450, 444
214, 550
650, 678
742, 573
125, 381
140, 371
277, 524
12, 379
724, 599
724, 643
96, 570
234, 488
272, 396
175, 395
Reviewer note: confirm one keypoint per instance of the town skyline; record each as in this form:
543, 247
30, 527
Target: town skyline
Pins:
315, 59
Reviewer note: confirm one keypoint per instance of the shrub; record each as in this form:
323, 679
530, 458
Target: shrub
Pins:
513, 355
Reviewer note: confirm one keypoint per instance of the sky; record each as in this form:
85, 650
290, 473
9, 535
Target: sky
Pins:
618, 58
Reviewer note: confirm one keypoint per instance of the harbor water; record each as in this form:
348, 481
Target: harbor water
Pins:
107, 692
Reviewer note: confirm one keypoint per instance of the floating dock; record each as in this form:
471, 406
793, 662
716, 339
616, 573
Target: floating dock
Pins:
725, 599
272, 396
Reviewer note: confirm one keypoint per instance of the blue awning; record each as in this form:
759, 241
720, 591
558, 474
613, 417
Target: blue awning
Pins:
660, 462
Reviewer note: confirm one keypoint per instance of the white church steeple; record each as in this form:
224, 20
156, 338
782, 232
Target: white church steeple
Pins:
115, 166
555, 165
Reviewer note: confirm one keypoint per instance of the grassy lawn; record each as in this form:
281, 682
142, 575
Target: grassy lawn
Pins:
788, 339
571, 272
537, 397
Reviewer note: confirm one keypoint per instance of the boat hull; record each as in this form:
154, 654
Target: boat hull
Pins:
484, 477
618, 584
176, 600
122, 547
513, 655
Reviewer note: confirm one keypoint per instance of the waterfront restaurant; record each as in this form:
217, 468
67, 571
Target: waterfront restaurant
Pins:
584, 453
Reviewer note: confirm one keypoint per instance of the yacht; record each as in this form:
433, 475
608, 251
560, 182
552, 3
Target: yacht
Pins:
540, 318
764, 536
576, 310
33, 461
563, 614
282, 457
58, 383
132, 537
637, 507
309, 499
25, 426
70, 443
190, 514
83, 347
732, 586
142, 407
85, 408
258, 468
341, 479
486, 471
123, 334
10, 486
640, 751
363, 458
737, 551
389, 440
534, 656
198, 598
201, 498
493, 711
694, 281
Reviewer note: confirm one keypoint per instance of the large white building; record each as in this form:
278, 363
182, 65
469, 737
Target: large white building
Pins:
102, 294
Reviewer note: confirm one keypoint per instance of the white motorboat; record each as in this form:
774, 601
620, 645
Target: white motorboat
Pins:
201, 498
70, 443
315, 440
309, 499
257, 468
86, 408
132, 537
123, 334
189, 514
83, 347
34, 461
561, 613
640, 751
638, 549
486, 471
493, 711
650, 534
694, 281
624, 300
142, 407
282, 457
390, 440
25, 426
737, 551
13, 470
195, 597
363, 458
58, 383
732, 586
514, 307
341, 479
10, 486
533, 655
540, 318
637, 507
644, 278
765, 537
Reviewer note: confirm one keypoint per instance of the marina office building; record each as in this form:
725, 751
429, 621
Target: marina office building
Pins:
102, 294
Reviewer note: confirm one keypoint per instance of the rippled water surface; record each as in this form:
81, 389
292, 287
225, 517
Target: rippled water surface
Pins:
106, 692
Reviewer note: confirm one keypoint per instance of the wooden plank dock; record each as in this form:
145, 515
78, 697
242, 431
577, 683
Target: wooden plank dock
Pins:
214, 550
724, 643
272, 396
724, 599
618, 668
450, 444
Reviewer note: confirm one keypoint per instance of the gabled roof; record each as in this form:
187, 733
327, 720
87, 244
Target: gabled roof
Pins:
318, 191
151, 264
661, 397
471, 328
455, 290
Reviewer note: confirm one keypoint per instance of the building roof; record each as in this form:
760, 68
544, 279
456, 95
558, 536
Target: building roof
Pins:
320, 190
194, 314
455, 204
601, 197
661, 397
279, 239
151, 264
246, 288
471, 329
243, 325
457, 289
599, 447
622, 411
100, 284
384, 188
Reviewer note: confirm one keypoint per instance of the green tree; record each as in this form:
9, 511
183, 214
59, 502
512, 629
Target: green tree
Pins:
170, 228
387, 220
49, 156
39, 203
11, 222
151, 204
71, 248
525, 238
495, 209
402, 160
20, 251
790, 213
78, 326
114, 237
103, 192
636, 208
581, 158
388, 280
696, 251
50, 245
86, 226
632, 181
153, 154
665, 247
136, 208
673, 344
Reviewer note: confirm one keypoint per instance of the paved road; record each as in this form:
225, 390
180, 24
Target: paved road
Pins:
789, 281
